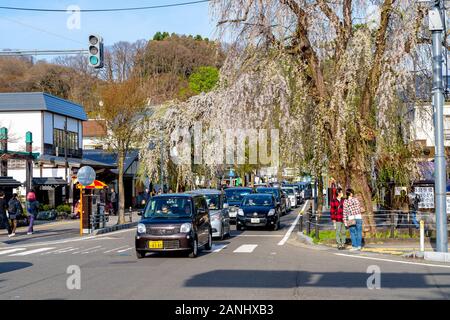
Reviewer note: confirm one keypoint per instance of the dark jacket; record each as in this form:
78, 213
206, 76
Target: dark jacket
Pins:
33, 207
14, 207
3, 207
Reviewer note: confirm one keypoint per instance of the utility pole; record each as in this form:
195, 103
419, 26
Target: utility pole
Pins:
162, 162
436, 26
66, 163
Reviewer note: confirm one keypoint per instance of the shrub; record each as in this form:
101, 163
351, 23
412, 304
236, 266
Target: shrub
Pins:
64, 208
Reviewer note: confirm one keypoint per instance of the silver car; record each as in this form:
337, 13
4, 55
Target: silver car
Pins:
218, 212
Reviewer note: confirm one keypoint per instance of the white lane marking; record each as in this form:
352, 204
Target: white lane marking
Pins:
246, 248
54, 251
92, 251
68, 250
260, 235
101, 236
115, 249
395, 261
88, 249
288, 234
11, 251
26, 253
123, 250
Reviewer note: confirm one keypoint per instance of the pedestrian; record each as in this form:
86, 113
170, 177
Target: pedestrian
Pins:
414, 200
32, 210
113, 199
402, 207
353, 219
337, 216
14, 210
146, 196
4, 223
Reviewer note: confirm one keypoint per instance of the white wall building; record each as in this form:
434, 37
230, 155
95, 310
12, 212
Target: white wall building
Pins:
54, 123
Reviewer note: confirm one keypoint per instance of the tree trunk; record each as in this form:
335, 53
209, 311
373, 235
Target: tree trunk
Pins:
360, 179
319, 195
120, 163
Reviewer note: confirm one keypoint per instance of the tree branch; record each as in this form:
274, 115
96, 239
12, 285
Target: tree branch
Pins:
237, 20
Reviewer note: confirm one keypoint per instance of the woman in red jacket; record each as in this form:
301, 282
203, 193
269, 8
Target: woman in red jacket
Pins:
337, 216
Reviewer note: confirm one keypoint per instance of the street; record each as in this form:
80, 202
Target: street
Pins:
253, 264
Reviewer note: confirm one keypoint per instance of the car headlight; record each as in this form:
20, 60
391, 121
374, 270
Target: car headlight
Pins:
271, 212
141, 228
240, 212
186, 228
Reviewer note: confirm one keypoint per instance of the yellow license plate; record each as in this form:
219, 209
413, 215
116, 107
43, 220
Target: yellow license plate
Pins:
155, 244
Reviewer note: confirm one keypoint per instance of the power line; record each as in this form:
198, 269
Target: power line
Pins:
106, 10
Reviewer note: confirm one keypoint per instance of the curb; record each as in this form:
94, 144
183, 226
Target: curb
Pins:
437, 256
115, 228
305, 239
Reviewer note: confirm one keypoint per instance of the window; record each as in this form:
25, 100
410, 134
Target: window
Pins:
59, 140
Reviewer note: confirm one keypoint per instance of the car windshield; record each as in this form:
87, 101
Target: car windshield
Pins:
213, 201
169, 207
273, 191
288, 190
250, 201
236, 194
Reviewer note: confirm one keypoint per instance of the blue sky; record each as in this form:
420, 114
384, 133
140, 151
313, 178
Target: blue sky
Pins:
42, 30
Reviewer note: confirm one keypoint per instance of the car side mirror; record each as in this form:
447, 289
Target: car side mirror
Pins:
225, 205
140, 212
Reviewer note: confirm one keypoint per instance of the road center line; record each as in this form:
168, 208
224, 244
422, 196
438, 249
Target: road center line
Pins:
123, 250
291, 228
390, 260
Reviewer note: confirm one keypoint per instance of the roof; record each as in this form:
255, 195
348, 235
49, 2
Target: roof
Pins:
50, 181
74, 161
239, 188
9, 182
41, 101
205, 191
181, 195
94, 128
110, 158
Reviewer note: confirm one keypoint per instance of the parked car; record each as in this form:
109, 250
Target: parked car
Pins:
306, 189
234, 197
279, 195
298, 192
291, 196
218, 211
259, 210
174, 222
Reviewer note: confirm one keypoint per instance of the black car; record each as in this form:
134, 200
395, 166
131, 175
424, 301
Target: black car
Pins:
259, 210
234, 197
174, 222
279, 195
306, 188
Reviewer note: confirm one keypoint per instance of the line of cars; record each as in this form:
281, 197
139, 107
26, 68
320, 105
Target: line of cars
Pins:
189, 221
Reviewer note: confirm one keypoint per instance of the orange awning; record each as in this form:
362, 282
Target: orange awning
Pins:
95, 185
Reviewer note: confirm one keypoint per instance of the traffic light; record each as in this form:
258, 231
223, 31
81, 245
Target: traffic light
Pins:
95, 51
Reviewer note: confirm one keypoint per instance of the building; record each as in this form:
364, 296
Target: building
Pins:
56, 126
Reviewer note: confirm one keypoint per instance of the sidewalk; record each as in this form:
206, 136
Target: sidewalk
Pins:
60, 230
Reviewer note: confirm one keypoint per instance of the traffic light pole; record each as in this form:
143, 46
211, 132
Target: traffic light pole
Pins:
437, 27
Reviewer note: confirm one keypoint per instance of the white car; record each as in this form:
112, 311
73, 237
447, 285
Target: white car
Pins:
291, 196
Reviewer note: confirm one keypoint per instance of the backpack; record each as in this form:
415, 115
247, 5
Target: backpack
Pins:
12, 207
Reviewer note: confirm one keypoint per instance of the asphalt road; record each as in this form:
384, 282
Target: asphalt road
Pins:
254, 264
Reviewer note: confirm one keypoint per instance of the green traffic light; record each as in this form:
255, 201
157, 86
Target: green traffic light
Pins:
93, 60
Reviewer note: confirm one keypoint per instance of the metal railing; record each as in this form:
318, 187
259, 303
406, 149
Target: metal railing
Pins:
393, 221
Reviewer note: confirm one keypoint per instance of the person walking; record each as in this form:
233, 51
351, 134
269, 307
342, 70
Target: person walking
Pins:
402, 209
113, 199
4, 223
32, 210
337, 216
414, 205
14, 209
353, 219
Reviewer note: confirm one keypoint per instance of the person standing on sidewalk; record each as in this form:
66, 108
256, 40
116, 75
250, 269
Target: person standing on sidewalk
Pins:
113, 199
14, 209
32, 210
353, 219
414, 203
337, 216
4, 223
